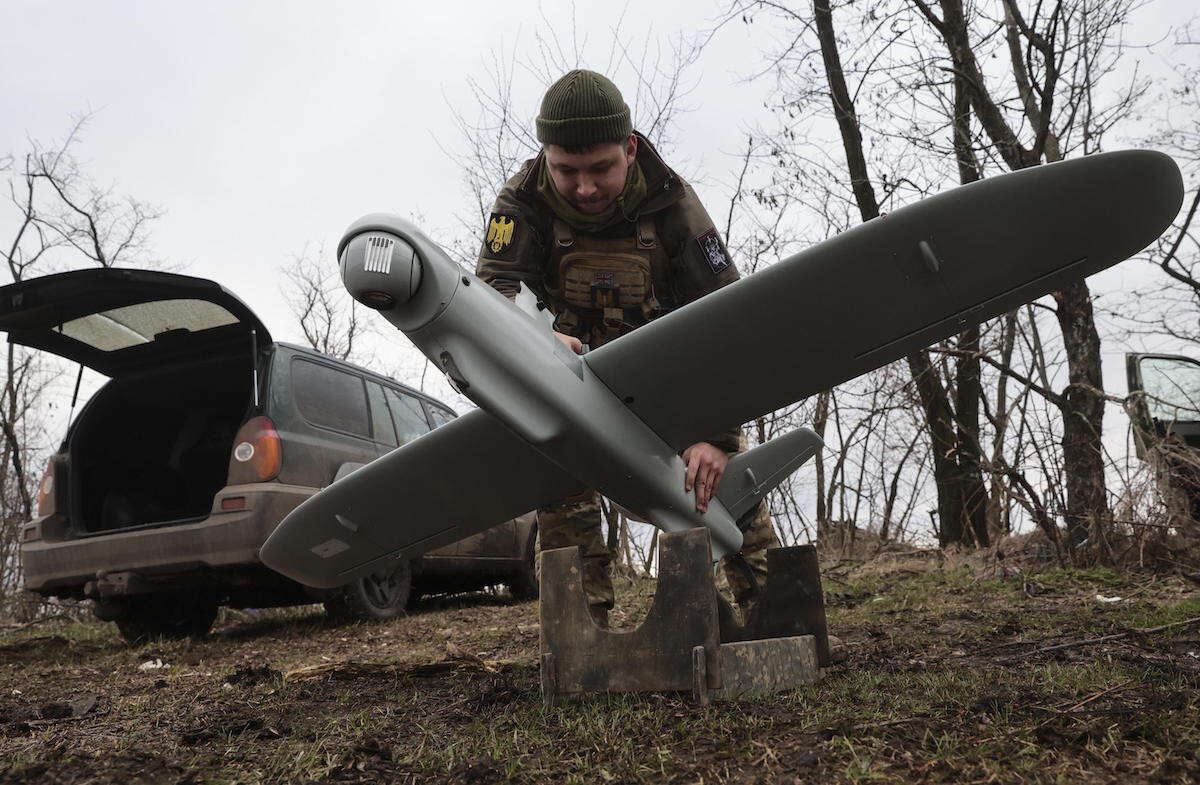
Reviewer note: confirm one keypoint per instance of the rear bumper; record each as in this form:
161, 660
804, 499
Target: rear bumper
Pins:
222, 540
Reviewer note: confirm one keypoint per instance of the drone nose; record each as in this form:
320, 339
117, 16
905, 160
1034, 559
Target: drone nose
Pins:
380, 270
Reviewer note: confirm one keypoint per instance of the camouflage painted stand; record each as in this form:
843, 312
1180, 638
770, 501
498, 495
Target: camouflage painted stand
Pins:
791, 603
688, 641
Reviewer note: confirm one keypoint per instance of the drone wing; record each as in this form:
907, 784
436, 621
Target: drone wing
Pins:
460, 479
887, 288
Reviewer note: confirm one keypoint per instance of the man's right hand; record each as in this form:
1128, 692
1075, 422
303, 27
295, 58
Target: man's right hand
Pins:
574, 344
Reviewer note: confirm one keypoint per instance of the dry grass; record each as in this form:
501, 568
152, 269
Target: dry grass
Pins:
947, 682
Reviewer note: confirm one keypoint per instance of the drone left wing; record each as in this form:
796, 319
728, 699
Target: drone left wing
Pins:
460, 479
885, 288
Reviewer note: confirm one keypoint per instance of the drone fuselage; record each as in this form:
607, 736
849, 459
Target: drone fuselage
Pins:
508, 363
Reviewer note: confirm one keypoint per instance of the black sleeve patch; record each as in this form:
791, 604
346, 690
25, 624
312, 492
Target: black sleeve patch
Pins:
501, 230
713, 251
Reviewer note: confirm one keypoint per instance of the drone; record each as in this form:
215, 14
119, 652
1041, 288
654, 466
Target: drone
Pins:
551, 424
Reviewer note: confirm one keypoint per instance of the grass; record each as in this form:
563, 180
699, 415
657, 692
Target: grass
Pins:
944, 684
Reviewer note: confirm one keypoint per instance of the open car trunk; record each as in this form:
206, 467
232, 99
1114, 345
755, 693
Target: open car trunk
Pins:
153, 445
153, 448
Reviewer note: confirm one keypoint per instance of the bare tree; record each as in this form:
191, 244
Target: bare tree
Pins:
1177, 254
1058, 55
924, 93
961, 499
329, 318
1167, 307
61, 218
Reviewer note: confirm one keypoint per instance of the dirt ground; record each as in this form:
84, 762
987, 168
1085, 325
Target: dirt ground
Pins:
955, 674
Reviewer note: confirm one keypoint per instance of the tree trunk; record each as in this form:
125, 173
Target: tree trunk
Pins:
939, 420
1083, 414
820, 419
968, 382
997, 520
934, 399
1083, 401
970, 466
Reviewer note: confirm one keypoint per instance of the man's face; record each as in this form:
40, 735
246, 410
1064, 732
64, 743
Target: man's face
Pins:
591, 181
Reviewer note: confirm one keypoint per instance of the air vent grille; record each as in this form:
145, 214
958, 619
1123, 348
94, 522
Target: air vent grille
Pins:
378, 257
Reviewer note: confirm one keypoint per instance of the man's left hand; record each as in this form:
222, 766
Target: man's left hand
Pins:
705, 465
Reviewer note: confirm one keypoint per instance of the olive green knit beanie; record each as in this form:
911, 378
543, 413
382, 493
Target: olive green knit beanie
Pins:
583, 108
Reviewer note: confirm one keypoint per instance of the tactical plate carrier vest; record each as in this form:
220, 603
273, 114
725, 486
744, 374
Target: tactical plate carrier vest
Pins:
606, 286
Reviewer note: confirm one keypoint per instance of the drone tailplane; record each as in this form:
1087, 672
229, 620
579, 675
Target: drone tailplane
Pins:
753, 474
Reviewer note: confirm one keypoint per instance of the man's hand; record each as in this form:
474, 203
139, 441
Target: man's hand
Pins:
574, 344
705, 466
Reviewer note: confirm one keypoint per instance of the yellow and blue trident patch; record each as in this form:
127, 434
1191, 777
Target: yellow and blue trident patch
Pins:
500, 232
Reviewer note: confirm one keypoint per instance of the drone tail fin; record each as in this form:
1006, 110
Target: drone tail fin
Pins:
751, 475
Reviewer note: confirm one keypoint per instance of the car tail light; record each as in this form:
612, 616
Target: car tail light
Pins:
45, 497
256, 452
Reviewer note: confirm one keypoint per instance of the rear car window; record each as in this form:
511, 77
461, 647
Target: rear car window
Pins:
130, 325
408, 414
381, 421
330, 398
1172, 388
440, 415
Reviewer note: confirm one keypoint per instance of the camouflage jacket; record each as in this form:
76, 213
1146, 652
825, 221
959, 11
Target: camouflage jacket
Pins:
697, 261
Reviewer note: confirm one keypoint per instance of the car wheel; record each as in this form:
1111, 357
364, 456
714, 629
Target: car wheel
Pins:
152, 616
524, 585
376, 597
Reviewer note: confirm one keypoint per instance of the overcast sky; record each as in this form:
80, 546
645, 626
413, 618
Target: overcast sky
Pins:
262, 127
259, 127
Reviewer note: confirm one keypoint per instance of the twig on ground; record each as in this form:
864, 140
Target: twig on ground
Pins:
1177, 563
1037, 589
887, 723
1056, 713
1107, 638
998, 646
920, 552
353, 669
1097, 695
1142, 589
35, 622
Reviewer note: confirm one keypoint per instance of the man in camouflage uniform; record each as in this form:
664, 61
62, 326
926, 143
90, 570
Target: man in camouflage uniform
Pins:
610, 238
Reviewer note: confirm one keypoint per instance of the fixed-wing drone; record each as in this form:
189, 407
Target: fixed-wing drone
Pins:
551, 423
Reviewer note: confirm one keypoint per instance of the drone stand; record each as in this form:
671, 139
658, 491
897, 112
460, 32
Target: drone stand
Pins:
690, 640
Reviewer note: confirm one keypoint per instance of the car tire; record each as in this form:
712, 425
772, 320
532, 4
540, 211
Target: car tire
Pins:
173, 616
524, 585
376, 597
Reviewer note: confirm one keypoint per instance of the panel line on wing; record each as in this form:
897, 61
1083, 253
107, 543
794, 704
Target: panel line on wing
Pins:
400, 551
969, 309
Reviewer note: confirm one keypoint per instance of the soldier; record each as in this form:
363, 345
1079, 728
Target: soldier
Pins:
610, 238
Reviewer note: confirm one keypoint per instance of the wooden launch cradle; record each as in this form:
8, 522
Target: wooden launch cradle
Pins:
690, 640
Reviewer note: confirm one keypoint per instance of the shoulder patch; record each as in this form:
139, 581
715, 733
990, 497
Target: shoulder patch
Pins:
713, 250
500, 230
